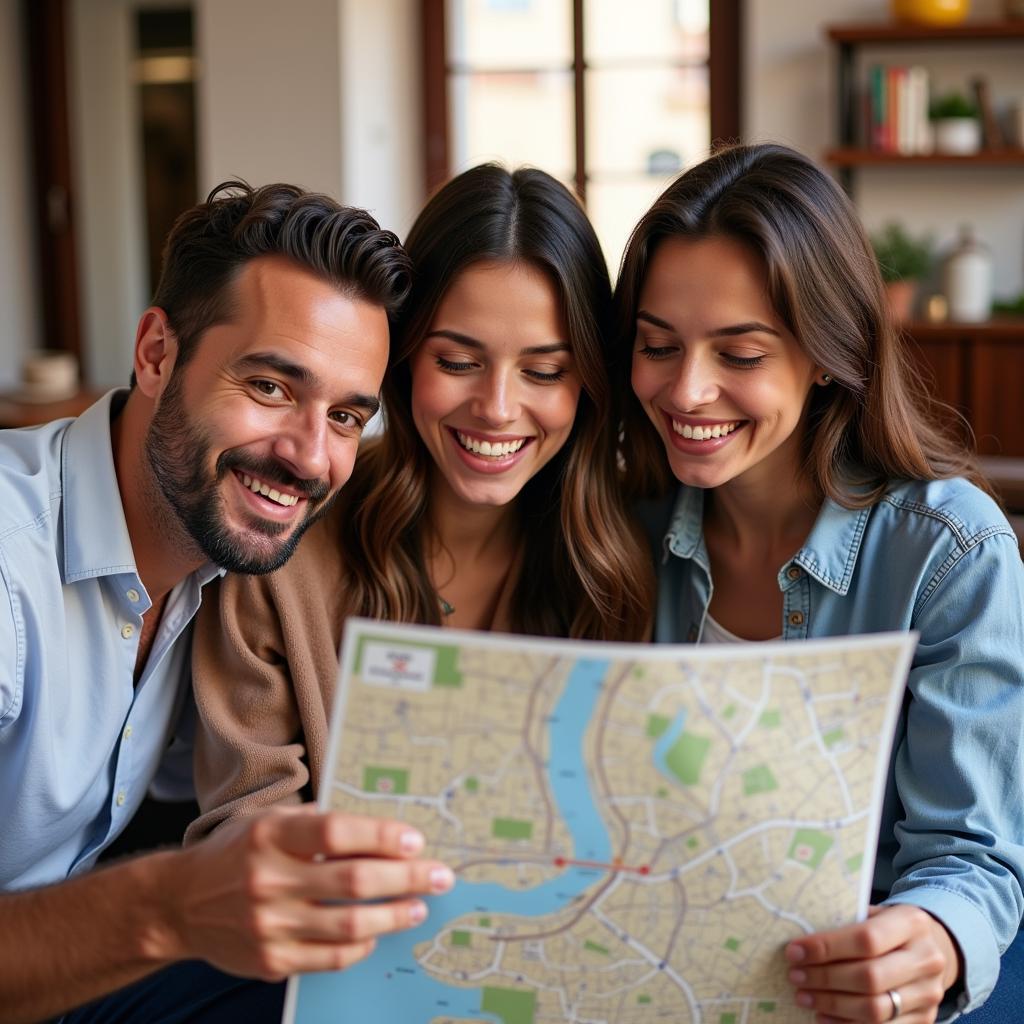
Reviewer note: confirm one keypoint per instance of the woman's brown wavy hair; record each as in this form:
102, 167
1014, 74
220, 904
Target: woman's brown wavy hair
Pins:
876, 422
585, 572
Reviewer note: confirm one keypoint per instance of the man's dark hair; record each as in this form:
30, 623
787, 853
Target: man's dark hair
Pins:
210, 243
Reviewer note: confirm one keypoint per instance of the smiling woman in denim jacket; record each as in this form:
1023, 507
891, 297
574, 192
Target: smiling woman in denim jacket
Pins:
818, 495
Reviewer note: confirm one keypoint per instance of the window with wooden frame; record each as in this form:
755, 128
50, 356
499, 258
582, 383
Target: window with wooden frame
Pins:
614, 98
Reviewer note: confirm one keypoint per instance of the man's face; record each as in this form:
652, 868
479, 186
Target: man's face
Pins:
254, 436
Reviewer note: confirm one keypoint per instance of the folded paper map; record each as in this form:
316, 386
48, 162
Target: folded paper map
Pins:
637, 830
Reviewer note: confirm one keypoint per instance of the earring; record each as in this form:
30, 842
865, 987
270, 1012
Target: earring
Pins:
826, 378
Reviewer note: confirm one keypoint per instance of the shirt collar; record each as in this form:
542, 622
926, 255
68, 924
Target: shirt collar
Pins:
829, 553
831, 549
685, 535
96, 539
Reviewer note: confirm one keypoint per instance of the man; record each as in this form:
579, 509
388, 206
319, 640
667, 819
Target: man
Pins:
255, 371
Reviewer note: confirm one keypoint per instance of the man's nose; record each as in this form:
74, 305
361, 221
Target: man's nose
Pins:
303, 445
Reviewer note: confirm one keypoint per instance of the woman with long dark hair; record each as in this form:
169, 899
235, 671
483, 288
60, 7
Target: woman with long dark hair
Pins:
492, 500
807, 486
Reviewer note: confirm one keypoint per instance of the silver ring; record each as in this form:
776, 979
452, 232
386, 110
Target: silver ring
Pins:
897, 1003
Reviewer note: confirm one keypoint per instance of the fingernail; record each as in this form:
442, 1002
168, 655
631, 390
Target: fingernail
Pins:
796, 954
418, 913
798, 977
804, 999
441, 879
411, 842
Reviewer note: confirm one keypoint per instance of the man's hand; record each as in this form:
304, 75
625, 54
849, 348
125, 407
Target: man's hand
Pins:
847, 974
261, 896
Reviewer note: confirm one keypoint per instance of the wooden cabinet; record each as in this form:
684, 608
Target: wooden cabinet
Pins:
979, 370
976, 368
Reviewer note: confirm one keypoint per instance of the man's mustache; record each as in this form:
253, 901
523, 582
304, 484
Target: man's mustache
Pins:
271, 471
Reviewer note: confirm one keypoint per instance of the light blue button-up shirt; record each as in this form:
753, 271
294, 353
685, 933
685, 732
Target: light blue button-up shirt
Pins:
937, 557
80, 743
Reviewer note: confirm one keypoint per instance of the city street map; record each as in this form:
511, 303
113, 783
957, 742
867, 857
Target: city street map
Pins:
637, 830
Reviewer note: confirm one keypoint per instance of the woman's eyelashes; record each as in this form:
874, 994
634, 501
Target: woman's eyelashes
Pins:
549, 374
743, 362
453, 365
654, 352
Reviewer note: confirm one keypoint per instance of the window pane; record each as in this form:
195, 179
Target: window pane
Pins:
510, 33
616, 206
675, 30
646, 122
523, 118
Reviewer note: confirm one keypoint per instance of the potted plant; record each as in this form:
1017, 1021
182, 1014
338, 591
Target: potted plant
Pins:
957, 125
903, 262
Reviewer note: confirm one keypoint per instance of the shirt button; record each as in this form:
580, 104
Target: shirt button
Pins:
127, 631
120, 799
793, 572
132, 595
127, 732
796, 618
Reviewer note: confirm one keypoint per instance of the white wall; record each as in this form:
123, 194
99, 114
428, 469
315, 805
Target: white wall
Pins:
106, 156
383, 168
789, 96
323, 93
19, 322
269, 92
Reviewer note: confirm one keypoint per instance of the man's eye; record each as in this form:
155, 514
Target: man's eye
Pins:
346, 419
268, 388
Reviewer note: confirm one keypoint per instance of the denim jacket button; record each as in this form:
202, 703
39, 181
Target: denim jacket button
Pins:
796, 618
793, 572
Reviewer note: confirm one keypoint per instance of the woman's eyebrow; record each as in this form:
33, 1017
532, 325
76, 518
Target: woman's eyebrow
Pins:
656, 321
750, 327
470, 342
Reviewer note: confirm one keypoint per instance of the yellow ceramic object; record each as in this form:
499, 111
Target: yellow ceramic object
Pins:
931, 12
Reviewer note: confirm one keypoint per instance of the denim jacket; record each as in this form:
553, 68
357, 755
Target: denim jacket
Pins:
937, 557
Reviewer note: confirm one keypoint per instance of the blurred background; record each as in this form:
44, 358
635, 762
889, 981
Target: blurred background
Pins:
117, 114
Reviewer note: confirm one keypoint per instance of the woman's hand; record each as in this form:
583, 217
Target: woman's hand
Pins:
847, 974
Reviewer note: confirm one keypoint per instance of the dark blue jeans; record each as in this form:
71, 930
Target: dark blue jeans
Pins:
196, 993
188, 993
1007, 1000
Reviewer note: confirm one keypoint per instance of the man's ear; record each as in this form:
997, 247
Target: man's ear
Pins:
156, 350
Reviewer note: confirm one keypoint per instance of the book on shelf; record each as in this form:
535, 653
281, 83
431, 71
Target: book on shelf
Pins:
896, 110
991, 133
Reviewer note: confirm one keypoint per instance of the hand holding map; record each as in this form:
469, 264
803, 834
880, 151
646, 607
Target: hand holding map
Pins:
638, 831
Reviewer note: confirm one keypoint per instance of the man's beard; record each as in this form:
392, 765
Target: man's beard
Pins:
178, 452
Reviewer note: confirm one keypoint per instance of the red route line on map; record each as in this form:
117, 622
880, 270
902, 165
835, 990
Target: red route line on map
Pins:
568, 862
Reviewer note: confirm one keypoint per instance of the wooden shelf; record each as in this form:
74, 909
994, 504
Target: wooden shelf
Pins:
15, 412
895, 32
846, 156
999, 328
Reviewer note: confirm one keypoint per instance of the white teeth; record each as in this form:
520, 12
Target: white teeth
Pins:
491, 449
258, 487
704, 433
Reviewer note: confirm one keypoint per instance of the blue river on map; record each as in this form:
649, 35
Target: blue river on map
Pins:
390, 987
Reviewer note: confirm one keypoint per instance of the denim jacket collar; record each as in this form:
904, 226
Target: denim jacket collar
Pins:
829, 554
